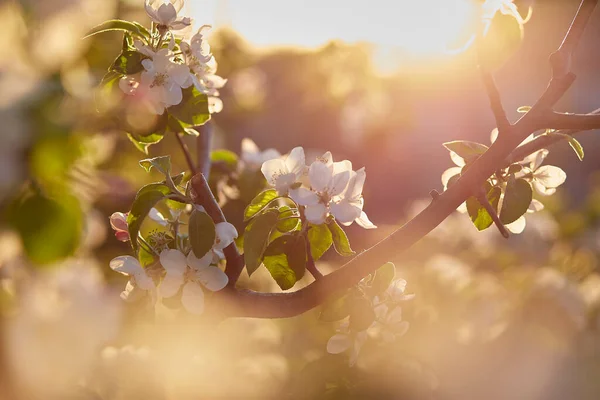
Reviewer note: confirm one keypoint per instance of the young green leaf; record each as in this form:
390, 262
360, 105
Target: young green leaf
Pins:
259, 203
119, 25
193, 109
296, 255
145, 199
466, 149
256, 238
278, 267
340, 240
479, 215
128, 62
574, 143
162, 164
383, 277
523, 109
320, 239
517, 197
288, 219
226, 157
201, 232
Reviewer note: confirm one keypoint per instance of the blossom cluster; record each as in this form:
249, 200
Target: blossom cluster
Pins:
178, 271
174, 60
387, 325
323, 188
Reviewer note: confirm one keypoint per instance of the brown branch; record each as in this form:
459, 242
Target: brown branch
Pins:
483, 200
580, 122
203, 146
495, 101
280, 305
202, 195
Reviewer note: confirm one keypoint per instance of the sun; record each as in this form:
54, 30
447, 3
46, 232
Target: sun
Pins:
418, 27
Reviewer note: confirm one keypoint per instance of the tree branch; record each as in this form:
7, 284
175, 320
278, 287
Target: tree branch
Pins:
186, 152
495, 101
280, 305
203, 146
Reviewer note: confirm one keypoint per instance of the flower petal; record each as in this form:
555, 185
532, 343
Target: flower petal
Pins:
295, 161
196, 263
166, 14
320, 176
339, 183
173, 261
170, 285
316, 214
344, 211
304, 196
449, 174
272, 169
157, 216
225, 233
518, 226
126, 265
118, 221
192, 298
212, 278
550, 176
338, 343
364, 222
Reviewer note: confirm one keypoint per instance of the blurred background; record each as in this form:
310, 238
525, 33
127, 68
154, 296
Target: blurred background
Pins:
382, 84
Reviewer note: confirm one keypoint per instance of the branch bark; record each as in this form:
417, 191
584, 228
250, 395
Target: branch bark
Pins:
280, 305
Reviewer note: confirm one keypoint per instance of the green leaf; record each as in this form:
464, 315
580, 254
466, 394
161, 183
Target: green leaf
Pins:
523, 109
145, 199
320, 239
288, 220
259, 203
383, 277
279, 269
296, 255
340, 240
193, 109
361, 314
517, 198
145, 255
162, 164
143, 142
574, 143
128, 62
201, 232
479, 215
256, 238
466, 149
50, 229
336, 308
226, 157
119, 25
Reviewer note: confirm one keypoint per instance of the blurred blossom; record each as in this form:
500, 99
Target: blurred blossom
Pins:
253, 157
64, 316
449, 272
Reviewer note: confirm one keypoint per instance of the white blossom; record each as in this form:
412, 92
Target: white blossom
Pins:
138, 278
284, 173
164, 13
346, 340
253, 157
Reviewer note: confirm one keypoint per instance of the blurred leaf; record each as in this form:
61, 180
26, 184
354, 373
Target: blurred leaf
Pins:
193, 109
340, 240
202, 233
479, 215
501, 40
383, 278
229, 158
335, 308
50, 229
574, 143
279, 269
256, 238
466, 149
523, 109
145, 199
320, 239
517, 197
361, 314
259, 203
119, 25
162, 164
128, 62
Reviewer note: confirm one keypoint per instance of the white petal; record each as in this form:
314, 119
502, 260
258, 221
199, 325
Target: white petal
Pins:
131, 292
172, 95
226, 233
518, 226
535, 206
173, 261
128, 85
272, 169
359, 340
448, 174
457, 160
462, 208
170, 285
344, 211
356, 184
550, 176
339, 183
295, 161
157, 216
212, 278
338, 343
494, 135
118, 221
304, 196
199, 263
192, 298
151, 11
284, 182
126, 265
396, 289
364, 222
395, 316
249, 147
166, 14
380, 311
320, 176
316, 214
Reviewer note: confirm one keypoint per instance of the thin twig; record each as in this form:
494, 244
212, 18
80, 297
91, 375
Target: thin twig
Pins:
495, 101
483, 200
186, 152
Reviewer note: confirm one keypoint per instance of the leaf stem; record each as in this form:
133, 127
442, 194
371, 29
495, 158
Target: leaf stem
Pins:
186, 152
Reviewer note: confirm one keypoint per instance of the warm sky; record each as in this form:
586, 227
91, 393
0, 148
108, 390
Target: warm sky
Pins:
421, 27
